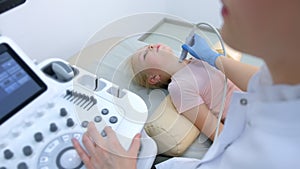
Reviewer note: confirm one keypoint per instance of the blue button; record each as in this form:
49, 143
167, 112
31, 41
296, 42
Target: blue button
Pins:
243, 101
105, 111
113, 119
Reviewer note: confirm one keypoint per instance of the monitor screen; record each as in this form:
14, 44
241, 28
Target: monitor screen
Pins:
6, 5
19, 85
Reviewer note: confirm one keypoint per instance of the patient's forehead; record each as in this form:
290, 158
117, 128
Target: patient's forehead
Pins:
142, 48
137, 53
140, 51
135, 63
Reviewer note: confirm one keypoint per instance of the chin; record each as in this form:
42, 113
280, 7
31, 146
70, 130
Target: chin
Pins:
226, 36
229, 39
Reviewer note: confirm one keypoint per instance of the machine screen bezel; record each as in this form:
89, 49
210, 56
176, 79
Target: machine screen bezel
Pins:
5, 47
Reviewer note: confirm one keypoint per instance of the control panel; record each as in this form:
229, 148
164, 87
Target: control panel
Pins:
44, 106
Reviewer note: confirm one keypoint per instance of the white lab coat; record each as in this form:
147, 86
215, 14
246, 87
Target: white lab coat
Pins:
262, 130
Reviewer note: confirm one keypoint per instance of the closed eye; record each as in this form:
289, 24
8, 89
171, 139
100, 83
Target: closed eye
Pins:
146, 52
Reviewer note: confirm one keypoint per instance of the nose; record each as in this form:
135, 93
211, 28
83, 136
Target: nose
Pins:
151, 46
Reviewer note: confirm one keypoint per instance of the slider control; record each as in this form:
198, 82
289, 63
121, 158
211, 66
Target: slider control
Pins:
63, 71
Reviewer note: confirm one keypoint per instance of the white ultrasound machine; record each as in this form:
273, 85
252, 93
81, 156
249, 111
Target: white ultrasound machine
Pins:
43, 106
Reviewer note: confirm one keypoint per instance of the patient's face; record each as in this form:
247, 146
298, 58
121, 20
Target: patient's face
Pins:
155, 56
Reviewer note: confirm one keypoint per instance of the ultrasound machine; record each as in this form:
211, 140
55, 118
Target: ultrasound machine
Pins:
43, 106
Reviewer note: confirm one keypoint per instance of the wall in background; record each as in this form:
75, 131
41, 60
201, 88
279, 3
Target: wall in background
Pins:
197, 11
60, 28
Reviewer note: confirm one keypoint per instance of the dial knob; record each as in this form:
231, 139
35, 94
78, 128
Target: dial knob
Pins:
70, 122
27, 150
8, 154
38, 137
53, 127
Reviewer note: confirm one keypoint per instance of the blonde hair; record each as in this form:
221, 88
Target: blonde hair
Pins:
141, 78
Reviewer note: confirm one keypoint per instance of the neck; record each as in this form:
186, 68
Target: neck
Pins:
281, 76
285, 72
176, 66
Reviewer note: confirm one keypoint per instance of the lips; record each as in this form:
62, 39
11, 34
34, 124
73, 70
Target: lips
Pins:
224, 11
158, 46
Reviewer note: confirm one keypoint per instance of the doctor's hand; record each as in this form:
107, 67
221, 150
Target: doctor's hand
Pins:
200, 50
106, 152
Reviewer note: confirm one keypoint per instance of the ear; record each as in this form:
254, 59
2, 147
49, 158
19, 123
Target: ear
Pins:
153, 79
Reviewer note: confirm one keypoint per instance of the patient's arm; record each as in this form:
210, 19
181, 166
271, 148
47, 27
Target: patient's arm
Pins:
204, 120
239, 73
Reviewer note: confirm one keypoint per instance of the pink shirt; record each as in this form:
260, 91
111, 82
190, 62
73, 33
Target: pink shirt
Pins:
199, 83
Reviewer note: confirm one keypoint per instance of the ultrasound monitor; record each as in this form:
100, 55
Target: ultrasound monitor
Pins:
19, 85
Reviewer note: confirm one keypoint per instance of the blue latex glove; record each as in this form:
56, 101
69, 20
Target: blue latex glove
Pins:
201, 50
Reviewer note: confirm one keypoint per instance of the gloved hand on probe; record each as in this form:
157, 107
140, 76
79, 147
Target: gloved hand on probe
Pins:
200, 50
